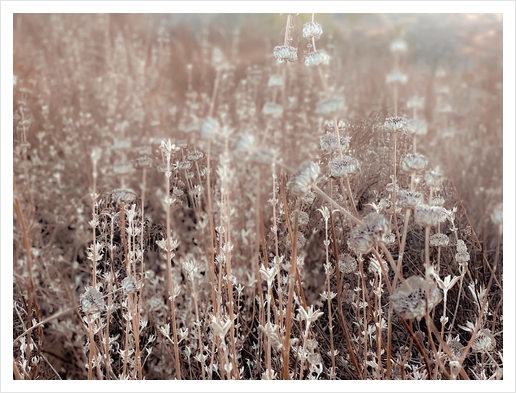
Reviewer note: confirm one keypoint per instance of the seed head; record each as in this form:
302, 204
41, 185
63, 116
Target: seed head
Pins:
316, 58
328, 142
285, 52
427, 215
408, 199
409, 300
344, 167
301, 182
396, 77
347, 263
439, 240
275, 80
331, 106
398, 45
416, 127
484, 341
364, 237
414, 162
434, 178
312, 30
416, 102
395, 124
92, 301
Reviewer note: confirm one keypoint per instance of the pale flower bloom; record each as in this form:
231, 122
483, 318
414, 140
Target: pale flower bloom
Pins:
410, 299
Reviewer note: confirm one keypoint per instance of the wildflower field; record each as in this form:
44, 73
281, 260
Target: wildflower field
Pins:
257, 196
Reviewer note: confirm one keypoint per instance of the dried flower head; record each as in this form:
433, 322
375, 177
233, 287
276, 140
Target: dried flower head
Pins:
328, 142
408, 199
312, 30
92, 301
410, 299
285, 52
301, 182
427, 215
396, 77
316, 58
275, 81
374, 266
398, 45
416, 127
456, 347
364, 237
194, 156
209, 128
414, 162
395, 124
439, 240
331, 106
129, 284
303, 218
416, 102
484, 341
344, 167
434, 178
347, 263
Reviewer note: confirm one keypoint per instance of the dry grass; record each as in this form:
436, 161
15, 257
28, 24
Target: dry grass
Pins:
183, 210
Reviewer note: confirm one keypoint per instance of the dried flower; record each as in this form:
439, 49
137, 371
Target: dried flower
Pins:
301, 182
395, 123
312, 30
416, 102
410, 299
331, 106
398, 45
194, 156
439, 240
129, 284
347, 263
209, 128
316, 58
285, 52
344, 167
302, 219
408, 199
123, 168
374, 266
363, 237
462, 257
416, 127
92, 301
414, 162
275, 80
328, 142
461, 246
434, 178
396, 77
484, 341
427, 215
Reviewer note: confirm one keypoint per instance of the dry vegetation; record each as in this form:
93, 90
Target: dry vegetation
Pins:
191, 202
